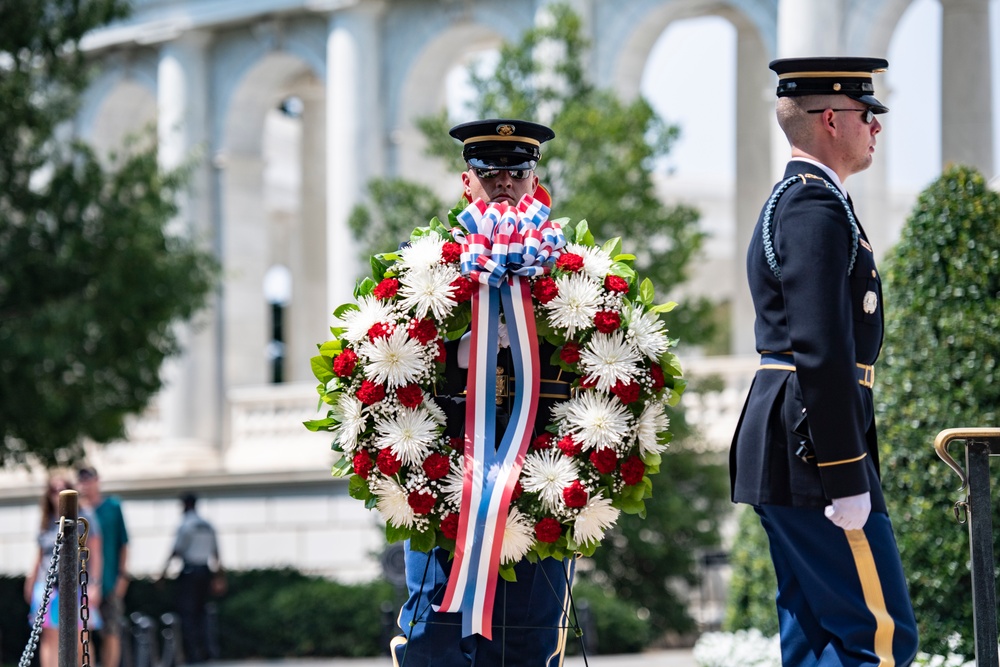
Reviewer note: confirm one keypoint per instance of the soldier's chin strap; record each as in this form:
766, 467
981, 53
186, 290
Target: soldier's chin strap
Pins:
767, 223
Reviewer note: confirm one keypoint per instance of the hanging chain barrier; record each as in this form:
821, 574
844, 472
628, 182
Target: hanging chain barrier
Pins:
36, 627
976, 511
84, 600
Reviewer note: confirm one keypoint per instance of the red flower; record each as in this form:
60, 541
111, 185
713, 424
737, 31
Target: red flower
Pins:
575, 495
436, 466
363, 464
442, 355
343, 363
545, 289
659, 382
423, 330
569, 446
379, 330
410, 396
449, 526
516, 493
569, 262
421, 502
627, 393
386, 289
450, 252
607, 321
370, 393
605, 460
544, 441
615, 283
632, 470
548, 530
588, 382
387, 463
458, 444
463, 289
570, 352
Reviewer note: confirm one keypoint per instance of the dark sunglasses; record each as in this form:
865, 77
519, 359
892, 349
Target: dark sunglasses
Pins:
516, 174
867, 115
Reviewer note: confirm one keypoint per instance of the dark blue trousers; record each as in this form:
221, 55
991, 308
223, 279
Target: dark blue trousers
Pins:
530, 619
842, 598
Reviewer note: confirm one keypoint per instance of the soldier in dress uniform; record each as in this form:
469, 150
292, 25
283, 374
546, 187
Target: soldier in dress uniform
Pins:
529, 615
805, 452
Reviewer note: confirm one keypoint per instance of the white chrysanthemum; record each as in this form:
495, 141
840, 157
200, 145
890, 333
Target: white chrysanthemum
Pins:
370, 312
652, 421
597, 420
453, 483
393, 360
576, 304
647, 332
392, 502
421, 254
434, 410
518, 537
596, 262
428, 289
409, 434
609, 358
594, 518
352, 417
546, 473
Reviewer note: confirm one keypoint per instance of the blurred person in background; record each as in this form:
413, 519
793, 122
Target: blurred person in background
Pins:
114, 579
197, 548
34, 582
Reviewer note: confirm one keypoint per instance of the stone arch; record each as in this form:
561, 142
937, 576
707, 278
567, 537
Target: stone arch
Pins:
119, 103
255, 235
416, 80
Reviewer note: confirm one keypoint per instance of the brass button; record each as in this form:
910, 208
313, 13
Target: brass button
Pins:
874, 275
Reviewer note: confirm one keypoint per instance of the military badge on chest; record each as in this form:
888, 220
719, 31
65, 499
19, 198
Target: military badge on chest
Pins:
870, 302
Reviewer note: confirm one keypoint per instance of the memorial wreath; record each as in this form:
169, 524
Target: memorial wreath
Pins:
551, 494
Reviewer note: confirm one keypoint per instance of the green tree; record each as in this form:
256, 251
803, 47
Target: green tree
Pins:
938, 369
91, 282
599, 167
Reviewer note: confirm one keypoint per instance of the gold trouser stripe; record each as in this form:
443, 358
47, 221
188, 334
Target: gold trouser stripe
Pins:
837, 463
871, 587
393, 643
560, 653
778, 367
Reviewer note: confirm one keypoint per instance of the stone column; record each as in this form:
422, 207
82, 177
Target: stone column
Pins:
309, 313
190, 403
754, 117
355, 135
966, 85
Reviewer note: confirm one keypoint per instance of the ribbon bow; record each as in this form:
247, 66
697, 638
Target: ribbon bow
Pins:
502, 246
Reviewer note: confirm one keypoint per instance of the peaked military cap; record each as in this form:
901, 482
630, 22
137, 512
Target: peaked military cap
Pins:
499, 143
830, 76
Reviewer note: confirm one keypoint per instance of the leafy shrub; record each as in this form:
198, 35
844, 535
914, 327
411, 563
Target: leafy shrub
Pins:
614, 623
753, 585
938, 369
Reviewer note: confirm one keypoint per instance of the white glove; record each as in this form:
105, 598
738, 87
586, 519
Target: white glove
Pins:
850, 513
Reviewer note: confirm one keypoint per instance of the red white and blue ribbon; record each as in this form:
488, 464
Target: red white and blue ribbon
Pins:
502, 247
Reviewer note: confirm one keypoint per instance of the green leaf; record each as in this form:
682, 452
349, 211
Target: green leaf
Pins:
646, 292
365, 288
316, 425
612, 246
394, 534
583, 235
331, 348
344, 308
507, 573
343, 467
378, 268
424, 541
357, 488
321, 368
663, 307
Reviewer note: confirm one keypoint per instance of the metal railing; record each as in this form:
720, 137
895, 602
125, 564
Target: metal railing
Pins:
977, 511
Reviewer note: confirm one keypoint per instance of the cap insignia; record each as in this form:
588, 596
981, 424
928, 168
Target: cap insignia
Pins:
505, 130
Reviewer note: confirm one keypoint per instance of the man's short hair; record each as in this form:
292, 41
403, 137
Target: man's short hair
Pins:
85, 473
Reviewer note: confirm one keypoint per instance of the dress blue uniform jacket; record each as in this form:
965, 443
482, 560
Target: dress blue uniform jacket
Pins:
829, 318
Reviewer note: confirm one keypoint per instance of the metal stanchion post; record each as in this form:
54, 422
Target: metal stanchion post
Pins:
68, 578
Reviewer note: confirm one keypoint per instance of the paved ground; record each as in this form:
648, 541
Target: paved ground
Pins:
671, 658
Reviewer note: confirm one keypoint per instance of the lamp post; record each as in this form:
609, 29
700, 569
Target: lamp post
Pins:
278, 293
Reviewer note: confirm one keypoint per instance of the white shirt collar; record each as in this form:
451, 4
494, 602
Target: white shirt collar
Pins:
829, 172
